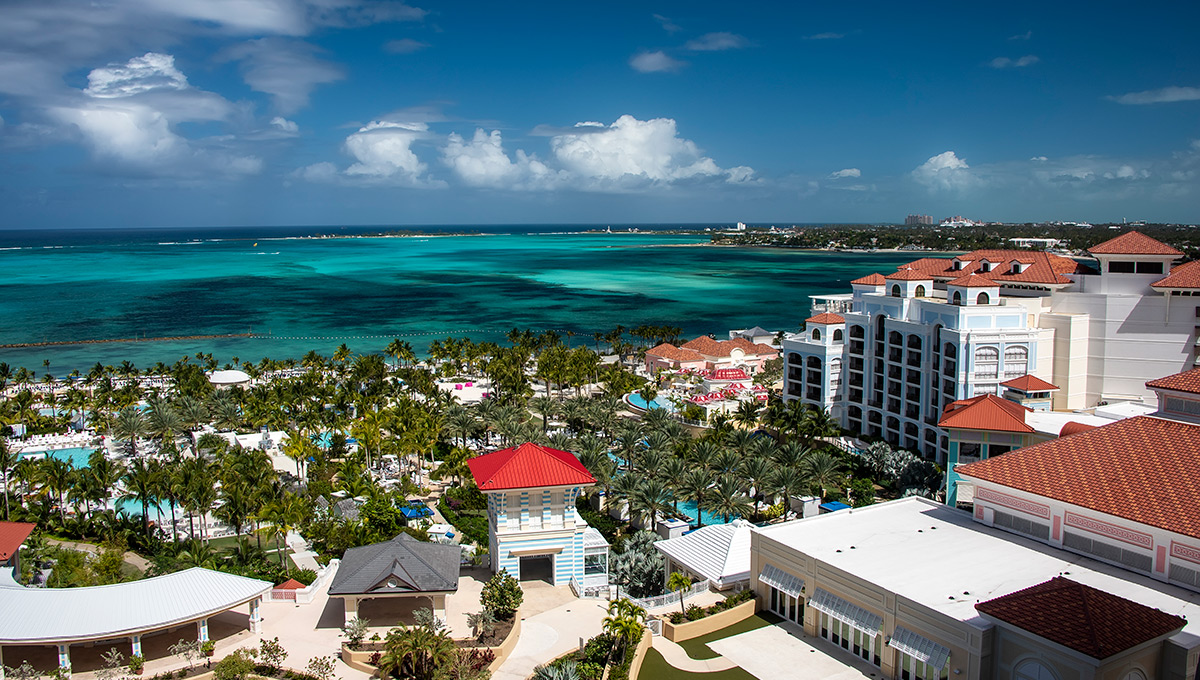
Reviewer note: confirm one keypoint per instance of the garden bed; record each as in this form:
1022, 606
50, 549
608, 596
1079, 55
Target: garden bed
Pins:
714, 621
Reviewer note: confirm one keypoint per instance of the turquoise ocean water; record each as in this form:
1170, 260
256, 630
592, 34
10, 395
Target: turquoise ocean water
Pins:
319, 293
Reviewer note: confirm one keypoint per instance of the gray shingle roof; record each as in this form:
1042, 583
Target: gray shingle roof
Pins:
346, 508
400, 565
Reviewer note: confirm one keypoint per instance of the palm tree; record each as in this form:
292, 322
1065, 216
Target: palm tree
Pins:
694, 486
59, 477
677, 583
8, 460
129, 426
140, 485
673, 473
728, 499
824, 470
285, 515
545, 407
648, 499
756, 472
788, 482
624, 621
747, 414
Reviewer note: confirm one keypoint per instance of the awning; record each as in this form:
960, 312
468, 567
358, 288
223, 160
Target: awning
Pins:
781, 580
535, 552
919, 647
856, 616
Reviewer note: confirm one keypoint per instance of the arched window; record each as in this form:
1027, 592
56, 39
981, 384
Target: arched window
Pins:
983, 299
987, 363
857, 332
1032, 669
813, 362
837, 335
950, 351
895, 338
895, 290
816, 334
795, 359
1016, 361
920, 292
958, 297
914, 342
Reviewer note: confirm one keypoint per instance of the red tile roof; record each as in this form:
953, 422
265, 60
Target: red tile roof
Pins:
972, 281
1072, 427
1186, 275
1142, 469
869, 280
1188, 381
826, 318
985, 412
908, 274
1043, 267
1029, 383
290, 584
1133, 243
528, 466
1081, 618
673, 353
12, 535
714, 348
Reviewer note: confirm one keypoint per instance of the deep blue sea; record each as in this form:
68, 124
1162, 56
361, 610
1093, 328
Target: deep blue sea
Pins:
306, 293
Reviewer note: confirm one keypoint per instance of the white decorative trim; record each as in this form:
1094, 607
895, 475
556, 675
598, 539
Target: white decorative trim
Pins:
1012, 502
1095, 526
1185, 552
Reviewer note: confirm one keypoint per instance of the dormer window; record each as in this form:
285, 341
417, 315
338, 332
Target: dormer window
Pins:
985, 266
958, 265
1017, 268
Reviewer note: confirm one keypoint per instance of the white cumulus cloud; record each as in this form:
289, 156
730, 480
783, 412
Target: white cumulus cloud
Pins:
482, 162
1164, 95
285, 125
150, 71
383, 155
1019, 62
655, 62
632, 151
945, 171
848, 172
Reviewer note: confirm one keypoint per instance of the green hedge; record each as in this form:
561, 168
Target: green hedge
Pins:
473, 527
600, 521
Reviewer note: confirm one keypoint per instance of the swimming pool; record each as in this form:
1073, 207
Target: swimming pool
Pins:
689, 509
635, 400
77, 455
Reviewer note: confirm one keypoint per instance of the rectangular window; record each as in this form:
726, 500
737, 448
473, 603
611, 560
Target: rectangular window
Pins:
1149, 267
594, 564
1121, 267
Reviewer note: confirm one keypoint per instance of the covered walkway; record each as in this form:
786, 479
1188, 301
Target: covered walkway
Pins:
62, 617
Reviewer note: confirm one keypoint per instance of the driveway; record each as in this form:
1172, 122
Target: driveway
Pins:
551, 634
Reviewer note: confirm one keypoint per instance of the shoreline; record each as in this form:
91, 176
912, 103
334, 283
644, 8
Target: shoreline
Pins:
169, 338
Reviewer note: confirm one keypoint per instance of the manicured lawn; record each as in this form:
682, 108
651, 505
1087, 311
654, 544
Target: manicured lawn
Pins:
697, 647
225, 542
655, 667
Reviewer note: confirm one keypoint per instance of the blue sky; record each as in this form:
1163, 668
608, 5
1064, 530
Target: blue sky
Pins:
247, 112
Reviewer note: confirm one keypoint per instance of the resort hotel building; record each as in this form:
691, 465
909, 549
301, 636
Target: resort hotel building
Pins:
1079, 560
889, 357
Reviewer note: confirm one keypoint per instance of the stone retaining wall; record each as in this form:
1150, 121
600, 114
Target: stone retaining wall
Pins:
678, 632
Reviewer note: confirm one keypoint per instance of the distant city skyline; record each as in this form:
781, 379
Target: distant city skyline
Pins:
261, 112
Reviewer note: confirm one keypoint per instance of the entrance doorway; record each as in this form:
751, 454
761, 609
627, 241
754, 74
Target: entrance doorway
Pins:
538, 568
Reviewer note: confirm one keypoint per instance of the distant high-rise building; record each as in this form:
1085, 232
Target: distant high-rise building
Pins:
918, 220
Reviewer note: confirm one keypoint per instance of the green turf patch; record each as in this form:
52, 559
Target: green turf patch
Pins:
655, 667
697, 647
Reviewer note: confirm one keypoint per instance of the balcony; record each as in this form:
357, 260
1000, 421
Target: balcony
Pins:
912, 412
895, 355
857, 347
813, 394
856, 364
856, 380
814, 376
913, 377
895, 373
914, 360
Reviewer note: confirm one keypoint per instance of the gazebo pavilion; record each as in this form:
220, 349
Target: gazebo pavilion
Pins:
402, 568
121, 613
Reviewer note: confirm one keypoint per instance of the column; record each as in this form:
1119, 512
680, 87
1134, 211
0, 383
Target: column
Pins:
439, 607
1, 662
255, 616
64, 658
136, 645
202, 626
351, 608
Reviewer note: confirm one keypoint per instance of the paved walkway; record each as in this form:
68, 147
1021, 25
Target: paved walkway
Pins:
785, 652
551, 634
678, 657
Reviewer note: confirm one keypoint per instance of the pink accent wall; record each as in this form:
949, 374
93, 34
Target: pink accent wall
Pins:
1056, 532
1160, 559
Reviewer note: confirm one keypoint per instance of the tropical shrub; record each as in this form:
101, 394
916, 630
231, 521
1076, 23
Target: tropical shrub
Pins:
502, 595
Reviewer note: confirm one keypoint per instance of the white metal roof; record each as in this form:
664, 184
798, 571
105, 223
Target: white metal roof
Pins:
889, 544
230, 377
46, 615
718, 552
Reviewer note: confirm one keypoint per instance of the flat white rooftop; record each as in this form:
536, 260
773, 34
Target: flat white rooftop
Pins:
939, 557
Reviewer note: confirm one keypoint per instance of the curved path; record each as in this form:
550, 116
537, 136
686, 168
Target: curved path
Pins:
677, 656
